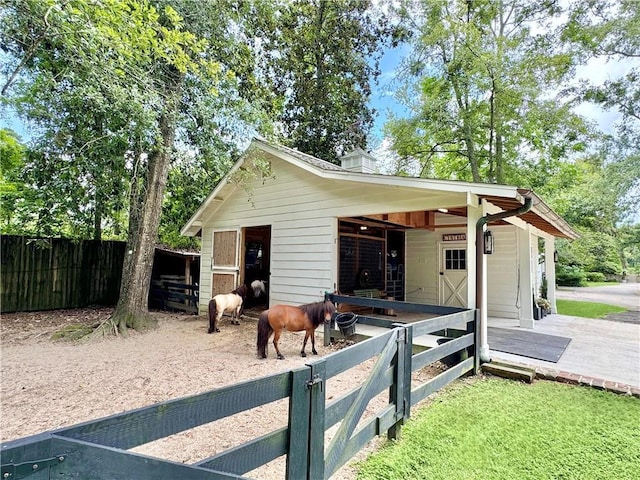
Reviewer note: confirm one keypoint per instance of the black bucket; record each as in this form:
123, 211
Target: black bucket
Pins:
347, 323
449, 360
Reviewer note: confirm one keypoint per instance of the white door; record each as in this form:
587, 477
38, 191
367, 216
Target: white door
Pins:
452, 287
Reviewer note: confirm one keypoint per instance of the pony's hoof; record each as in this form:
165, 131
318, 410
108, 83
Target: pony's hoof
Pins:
280, 357
217, 330
314, 352
209, 331
302, 354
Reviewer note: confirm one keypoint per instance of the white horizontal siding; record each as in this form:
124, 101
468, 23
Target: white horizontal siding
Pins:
421, 267
502, 273
302, 209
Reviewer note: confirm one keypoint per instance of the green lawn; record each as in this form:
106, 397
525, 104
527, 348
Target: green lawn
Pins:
586, 309
601, 284
499, 429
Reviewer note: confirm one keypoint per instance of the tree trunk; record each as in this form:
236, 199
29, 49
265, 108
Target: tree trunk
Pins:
132, 309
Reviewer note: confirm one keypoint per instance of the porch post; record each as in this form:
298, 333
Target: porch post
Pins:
527, 279
477, 273
550, 271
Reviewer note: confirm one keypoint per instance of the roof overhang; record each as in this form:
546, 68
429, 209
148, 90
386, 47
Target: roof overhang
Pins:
505, 197
540, 216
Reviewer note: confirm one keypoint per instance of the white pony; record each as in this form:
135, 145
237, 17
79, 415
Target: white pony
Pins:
258, 288
226, 302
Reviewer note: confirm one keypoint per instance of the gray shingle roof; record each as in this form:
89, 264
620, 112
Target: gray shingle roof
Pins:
316, 162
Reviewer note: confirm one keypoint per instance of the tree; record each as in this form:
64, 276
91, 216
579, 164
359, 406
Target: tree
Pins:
12, 160
141, 61
323, 60
477, 83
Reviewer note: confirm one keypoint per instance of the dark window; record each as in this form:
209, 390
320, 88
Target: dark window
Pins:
455, 259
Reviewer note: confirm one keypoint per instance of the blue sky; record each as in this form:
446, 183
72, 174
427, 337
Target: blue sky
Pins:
596, 71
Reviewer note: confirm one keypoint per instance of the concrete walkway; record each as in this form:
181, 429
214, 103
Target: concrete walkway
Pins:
599, 349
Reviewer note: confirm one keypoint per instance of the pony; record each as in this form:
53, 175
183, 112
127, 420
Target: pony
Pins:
258, 288
280, 317
226, 302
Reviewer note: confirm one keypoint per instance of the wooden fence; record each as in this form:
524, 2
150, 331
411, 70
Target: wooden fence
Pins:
170, 292
53, 273
99, 449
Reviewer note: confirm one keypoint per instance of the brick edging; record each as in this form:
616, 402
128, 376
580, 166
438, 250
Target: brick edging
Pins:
583, 380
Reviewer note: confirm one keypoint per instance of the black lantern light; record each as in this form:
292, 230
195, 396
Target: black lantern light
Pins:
555, 256
488, 242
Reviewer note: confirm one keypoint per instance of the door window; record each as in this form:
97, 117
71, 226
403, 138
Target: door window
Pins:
455, 259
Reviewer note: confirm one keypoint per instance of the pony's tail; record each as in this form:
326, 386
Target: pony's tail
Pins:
264, 332
213, 312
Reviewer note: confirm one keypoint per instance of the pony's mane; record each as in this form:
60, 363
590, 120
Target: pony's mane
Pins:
315, 311
241, 290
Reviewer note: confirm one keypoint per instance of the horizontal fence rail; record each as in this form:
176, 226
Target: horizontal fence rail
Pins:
99, 449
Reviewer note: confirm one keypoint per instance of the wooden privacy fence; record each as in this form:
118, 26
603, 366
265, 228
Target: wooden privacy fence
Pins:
99, 449
52, 273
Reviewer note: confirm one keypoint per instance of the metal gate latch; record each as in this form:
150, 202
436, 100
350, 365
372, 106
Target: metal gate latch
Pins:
16, 471
316, 380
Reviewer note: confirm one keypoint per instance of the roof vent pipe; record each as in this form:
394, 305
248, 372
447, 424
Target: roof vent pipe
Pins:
516, 212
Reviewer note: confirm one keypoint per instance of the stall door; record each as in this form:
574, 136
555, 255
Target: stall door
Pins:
225, 258
453, 275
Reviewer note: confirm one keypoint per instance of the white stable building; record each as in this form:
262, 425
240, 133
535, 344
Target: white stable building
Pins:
306, 227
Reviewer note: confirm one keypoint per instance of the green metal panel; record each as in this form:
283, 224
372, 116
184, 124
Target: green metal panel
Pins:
89, 461
26, 450
446, 377
143, 425
299, 418
399, 306
250, 455
336, 410
337, 362
427, 357
335, 454
425, 327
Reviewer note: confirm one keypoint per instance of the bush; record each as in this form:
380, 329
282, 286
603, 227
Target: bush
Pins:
571, 276
596, 277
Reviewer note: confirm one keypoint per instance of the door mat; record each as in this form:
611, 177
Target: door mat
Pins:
527, 344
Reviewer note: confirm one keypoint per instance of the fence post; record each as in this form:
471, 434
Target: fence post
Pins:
400, 390
316, 387
299, 417
472, 327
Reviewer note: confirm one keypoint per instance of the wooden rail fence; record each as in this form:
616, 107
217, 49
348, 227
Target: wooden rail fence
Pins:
99, 449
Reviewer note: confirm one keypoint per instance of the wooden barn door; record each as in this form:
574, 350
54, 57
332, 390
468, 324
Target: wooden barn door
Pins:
225, 261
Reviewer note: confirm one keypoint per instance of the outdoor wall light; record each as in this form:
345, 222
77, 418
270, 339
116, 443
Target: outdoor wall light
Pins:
488, 242
555, 256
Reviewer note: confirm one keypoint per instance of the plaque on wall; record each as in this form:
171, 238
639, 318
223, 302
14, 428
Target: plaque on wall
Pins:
454, 237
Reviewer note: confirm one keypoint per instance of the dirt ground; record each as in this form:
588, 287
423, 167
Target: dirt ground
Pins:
50, 384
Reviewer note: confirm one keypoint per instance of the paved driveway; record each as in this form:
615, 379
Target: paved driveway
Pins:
622, 294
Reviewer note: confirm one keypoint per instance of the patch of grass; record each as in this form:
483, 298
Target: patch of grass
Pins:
601, 284
577, 308
499, 429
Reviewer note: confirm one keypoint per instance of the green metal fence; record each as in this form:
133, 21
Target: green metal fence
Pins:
100, 449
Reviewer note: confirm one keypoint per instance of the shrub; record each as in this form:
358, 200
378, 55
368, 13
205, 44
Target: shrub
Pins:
570, 276
596, 277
